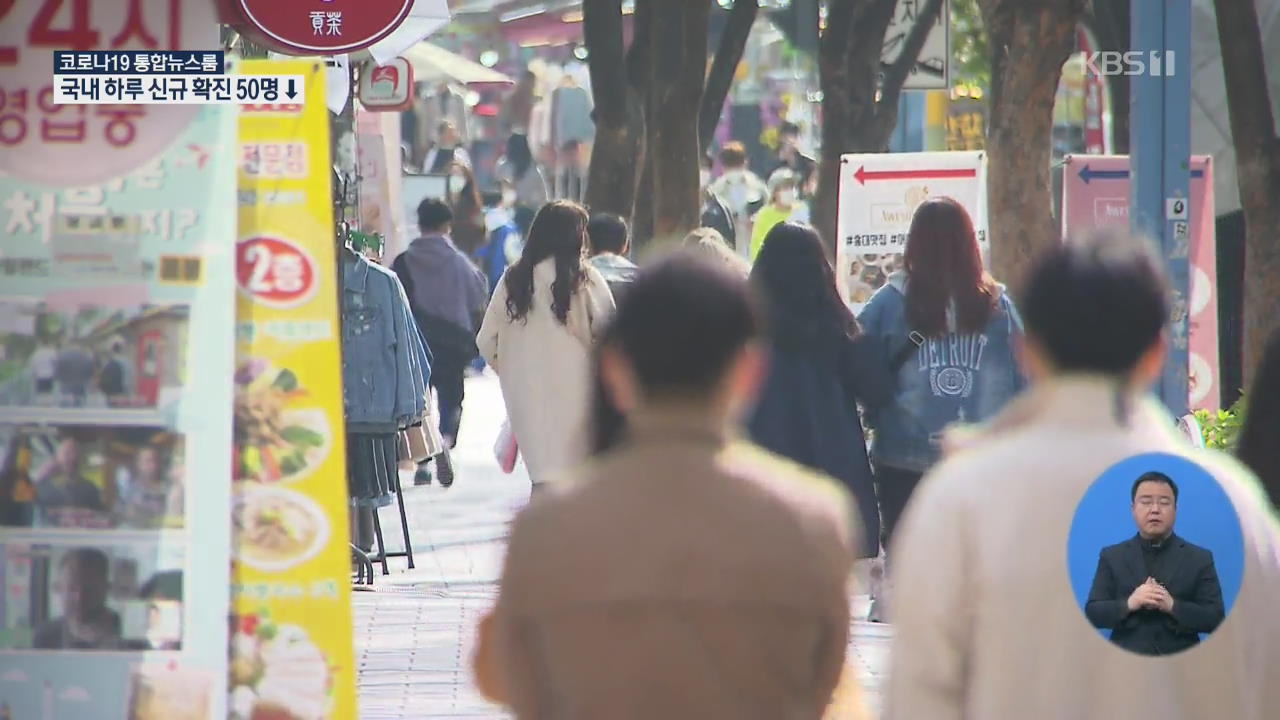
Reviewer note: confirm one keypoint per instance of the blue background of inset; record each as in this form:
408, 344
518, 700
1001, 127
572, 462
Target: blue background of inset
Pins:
1206, 518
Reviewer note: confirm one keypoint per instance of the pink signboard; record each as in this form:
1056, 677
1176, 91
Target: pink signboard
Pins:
1095, 194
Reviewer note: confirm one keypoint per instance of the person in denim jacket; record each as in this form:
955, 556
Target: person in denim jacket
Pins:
385, 364
950, 330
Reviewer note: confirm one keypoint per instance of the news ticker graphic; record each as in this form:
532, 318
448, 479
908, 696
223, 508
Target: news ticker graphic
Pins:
140, 62
178, 89
175, 77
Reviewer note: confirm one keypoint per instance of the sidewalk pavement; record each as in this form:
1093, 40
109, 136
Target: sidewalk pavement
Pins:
414, 632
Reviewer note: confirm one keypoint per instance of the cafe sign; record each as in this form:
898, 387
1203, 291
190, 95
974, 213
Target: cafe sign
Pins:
386, 87
316, 27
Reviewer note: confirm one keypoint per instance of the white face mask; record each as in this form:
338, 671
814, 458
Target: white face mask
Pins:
508, 197
456, 184
787, 197
705, 177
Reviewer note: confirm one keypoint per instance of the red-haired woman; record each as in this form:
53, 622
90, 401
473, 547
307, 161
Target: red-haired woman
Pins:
947, 330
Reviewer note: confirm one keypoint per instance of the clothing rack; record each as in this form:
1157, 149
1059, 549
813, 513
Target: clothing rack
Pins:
350, 241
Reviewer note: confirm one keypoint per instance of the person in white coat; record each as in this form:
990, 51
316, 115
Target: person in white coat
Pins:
986, 624
537, 335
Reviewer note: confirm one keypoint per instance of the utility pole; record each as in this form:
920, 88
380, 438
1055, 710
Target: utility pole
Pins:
1160, 147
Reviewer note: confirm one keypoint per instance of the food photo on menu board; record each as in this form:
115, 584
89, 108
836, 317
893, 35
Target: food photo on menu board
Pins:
87, 356
92, 478
81, 597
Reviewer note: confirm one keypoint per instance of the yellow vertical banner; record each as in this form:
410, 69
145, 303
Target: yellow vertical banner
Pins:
291, 649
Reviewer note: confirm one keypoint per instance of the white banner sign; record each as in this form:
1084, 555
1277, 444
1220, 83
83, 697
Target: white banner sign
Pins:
879, 194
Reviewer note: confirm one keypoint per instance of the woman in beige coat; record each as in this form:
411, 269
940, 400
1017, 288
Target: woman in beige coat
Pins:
986, 625
537, 335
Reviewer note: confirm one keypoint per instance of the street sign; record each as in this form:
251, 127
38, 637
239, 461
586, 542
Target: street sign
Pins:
879, 193
309, 27
933, 65
74, 145
1095, 194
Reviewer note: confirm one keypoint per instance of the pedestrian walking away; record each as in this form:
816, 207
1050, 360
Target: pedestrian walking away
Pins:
537, 336
946, 330
447, 294
683, 573
986, 623
610, 240
821, 369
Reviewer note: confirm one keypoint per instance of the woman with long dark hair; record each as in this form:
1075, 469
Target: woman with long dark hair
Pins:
542, 322
1259, 444
524, 188
822, 369
947, 330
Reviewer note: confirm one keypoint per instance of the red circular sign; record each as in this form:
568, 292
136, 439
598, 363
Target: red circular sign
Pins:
326, 27
275, 272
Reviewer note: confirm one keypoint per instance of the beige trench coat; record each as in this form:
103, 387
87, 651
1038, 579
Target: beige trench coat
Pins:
986, 624
545, 368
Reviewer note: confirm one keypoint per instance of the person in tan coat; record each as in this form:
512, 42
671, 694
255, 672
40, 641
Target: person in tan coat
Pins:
986, 623
681, 573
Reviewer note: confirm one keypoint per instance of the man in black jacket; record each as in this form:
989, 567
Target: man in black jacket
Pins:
1156, 592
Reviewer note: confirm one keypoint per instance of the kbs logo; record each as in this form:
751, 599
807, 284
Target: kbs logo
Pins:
1133, 62
275, 272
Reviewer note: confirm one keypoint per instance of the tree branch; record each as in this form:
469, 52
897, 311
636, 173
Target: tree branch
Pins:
724, 67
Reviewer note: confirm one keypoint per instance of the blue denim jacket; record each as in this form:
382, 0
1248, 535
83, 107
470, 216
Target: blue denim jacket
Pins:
953, 378
385, 363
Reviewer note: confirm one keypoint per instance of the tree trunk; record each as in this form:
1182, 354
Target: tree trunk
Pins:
1253, 132
1030, 40
611, 184
833, 78
678, 67
853, 119
728, 55
638, 89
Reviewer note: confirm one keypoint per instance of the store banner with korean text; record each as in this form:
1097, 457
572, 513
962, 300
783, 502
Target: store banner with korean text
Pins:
291, 652
879, 194
47, 143
1095, 194
116, 353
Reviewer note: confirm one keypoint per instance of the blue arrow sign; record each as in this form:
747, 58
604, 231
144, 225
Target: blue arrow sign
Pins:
1088, 174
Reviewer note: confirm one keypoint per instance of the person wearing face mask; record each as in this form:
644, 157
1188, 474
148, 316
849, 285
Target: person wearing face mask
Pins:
715, 214
791, 158
741, 190
446, 152
784, 204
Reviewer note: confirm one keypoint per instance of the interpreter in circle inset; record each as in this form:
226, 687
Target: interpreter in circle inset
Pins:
1156, 592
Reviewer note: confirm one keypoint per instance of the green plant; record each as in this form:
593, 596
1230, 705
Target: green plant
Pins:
1221, 429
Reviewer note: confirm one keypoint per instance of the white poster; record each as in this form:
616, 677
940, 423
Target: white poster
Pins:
879, 194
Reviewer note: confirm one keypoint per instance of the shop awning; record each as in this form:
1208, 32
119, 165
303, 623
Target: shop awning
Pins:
432, 63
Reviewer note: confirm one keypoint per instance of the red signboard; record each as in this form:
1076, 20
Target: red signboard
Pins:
317, 27
386, 87
77, 145
275, 272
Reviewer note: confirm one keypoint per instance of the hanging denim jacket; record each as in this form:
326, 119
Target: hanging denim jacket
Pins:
953, 378
385, 363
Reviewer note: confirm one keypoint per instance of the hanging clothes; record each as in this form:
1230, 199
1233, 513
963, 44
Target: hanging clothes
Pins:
571, 116
383, 358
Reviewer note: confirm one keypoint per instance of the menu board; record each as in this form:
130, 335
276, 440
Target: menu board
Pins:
116, 356
292, 646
